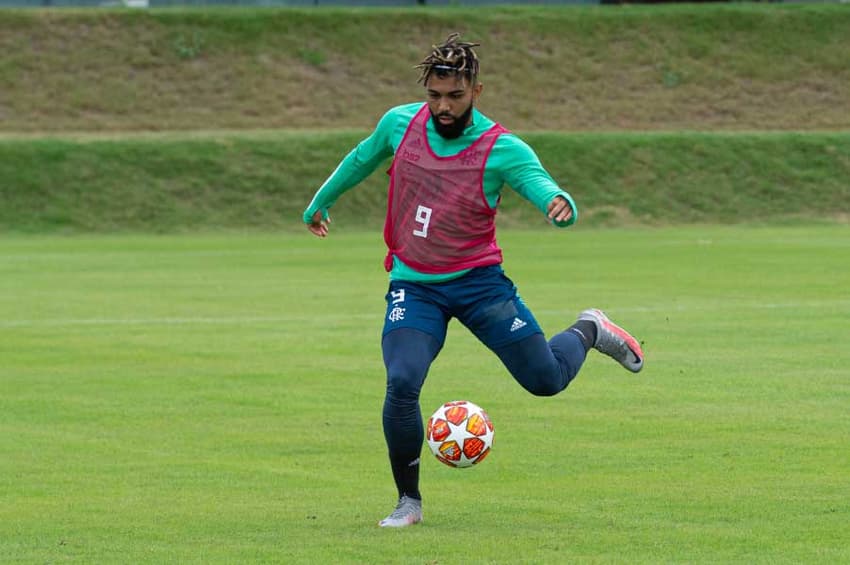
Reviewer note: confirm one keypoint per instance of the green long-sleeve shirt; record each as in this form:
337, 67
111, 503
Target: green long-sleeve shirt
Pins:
511, 162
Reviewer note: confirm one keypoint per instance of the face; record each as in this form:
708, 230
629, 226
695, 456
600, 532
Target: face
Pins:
450, 100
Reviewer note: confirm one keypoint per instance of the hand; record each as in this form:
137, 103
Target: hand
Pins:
319, 226
559, 210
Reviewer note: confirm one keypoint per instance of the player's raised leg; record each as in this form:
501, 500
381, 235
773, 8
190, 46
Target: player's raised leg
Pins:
504, 323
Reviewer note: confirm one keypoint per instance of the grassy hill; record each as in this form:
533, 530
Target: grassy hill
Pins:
728, 67
178, 182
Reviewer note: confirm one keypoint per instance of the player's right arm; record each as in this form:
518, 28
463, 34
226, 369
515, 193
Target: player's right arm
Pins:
355, 167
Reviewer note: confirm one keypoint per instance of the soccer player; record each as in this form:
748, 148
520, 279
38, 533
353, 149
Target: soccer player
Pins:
449, 167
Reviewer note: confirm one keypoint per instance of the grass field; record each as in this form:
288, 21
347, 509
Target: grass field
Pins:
214, 395
216, 399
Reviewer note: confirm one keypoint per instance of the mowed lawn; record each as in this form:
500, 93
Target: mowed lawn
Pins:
217, 398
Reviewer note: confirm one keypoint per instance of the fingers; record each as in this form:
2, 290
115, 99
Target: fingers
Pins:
319, 230
559, 210
319, 225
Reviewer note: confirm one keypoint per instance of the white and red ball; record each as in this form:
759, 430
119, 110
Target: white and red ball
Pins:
459, 433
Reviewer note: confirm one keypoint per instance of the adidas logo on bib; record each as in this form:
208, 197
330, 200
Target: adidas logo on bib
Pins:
517, 324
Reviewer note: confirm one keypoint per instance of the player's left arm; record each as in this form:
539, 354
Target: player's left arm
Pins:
523, 171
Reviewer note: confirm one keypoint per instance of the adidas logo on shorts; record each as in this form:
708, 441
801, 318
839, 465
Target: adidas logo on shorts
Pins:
517, 324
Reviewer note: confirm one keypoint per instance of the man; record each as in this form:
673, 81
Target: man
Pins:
449, 167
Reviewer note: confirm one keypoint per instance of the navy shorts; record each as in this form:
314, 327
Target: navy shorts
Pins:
484, 300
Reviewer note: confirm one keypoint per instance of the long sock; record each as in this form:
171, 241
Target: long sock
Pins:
586, 332
406, 476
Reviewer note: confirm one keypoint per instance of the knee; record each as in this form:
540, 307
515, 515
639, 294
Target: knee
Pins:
542, 379
401, 388
531, 362
404, 381
544, 388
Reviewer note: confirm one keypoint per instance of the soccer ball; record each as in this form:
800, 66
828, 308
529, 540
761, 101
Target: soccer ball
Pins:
459, 433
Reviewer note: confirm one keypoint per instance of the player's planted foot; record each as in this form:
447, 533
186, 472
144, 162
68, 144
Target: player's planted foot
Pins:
406, 513
614, 341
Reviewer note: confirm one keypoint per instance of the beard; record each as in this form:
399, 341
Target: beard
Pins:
454, 129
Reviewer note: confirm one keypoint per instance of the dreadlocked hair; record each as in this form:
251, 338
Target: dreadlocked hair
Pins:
452, 57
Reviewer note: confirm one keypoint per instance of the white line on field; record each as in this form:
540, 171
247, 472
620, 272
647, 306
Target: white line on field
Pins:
239, 320
235, 320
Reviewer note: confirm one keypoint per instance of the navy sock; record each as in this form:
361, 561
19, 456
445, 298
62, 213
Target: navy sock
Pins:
586, 332
406, 476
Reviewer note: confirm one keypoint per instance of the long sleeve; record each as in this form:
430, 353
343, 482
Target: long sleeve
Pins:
355, 167
521, 169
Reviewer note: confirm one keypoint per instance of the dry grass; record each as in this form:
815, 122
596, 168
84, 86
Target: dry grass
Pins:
757, 67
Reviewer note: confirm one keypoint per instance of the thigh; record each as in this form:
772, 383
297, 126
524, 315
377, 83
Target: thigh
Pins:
415, 306
494, 312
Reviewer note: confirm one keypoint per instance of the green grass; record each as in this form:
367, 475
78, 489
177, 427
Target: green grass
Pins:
216, 399
183, 182
737, 67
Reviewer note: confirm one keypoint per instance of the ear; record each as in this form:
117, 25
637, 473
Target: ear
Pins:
476, 91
